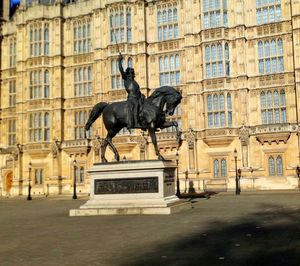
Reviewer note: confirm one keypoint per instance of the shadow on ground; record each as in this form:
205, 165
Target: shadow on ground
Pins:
269, 237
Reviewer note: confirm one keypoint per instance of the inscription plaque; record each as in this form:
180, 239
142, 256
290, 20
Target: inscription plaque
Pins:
126, 185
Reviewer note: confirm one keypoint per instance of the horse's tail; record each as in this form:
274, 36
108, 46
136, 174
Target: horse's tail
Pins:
95, 113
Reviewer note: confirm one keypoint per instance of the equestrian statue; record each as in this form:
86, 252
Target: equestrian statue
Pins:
137, 112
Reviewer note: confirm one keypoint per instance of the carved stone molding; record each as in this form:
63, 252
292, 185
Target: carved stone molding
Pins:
81, 146
269, 138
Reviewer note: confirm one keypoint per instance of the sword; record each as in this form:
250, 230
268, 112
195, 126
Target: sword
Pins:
117, 43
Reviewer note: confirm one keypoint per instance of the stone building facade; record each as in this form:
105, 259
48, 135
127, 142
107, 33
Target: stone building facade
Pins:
237, 64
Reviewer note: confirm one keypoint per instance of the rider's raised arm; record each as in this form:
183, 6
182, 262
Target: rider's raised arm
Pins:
121, 67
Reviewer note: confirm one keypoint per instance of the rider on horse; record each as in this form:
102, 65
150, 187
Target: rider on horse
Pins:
135, 98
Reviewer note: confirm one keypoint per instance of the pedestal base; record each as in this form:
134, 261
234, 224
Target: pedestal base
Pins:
132, 188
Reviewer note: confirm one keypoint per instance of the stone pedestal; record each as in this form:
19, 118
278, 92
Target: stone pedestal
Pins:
132, 187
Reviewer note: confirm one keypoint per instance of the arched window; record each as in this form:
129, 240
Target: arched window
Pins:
167, 22
216, 168
271, 166
81, 175
279, 166
229, 109
223, 168
268, 11
128, 25
207, 53
263, 100
46, 127
169, 68
46, 41
213, 12
215, 60
46, 84
279, 47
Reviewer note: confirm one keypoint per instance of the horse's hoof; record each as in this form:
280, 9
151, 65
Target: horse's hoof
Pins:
104, 160
117, 158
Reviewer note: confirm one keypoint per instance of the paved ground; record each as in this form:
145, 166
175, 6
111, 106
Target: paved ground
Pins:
250, 229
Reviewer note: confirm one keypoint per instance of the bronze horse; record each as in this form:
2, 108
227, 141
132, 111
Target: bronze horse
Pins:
160, 103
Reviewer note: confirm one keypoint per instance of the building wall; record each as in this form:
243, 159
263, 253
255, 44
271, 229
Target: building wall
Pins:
254, 141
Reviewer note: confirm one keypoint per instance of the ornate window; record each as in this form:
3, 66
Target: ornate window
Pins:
268, 11
217, 63
275, 165
39, 127
219, 110
214, 14
39, 84
12, 52
82, 36
83, 81
220, 168
39, 176
169, 70
12, 132
167, 22
80, 119
270, 56
116, 78
273, 107
12, 93
39, 39
120, 25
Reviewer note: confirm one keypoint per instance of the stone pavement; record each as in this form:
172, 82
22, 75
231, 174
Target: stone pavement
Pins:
250, 229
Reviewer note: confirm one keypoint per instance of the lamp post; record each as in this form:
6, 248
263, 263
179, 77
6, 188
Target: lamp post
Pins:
74, 185
178, 194
298, 174
29, 181
236, 173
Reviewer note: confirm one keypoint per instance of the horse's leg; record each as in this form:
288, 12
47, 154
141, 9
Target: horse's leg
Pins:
109, 140
103, 149
167, 124
154, 141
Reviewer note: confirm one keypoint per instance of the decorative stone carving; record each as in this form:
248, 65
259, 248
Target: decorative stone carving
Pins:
190, 138
143, 141
56, 147
97, 145
244, 135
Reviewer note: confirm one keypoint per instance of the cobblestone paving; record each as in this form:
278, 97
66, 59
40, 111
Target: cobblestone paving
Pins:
250, 229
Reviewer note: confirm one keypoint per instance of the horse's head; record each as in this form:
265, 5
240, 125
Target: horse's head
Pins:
166, 98
172, 101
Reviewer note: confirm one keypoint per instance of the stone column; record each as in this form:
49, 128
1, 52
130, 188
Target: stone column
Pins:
244, 137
